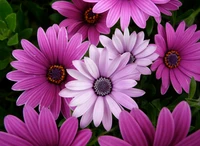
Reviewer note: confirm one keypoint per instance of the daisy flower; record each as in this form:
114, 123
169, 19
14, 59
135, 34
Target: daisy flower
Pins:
41, 73
141, 52
41, 130
81, 19
179, 56
101, 87
171, 130
166, 6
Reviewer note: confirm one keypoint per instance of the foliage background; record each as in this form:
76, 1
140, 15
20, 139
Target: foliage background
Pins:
21, 19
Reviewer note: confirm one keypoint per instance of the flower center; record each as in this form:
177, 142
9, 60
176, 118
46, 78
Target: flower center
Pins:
131, 59
102, 86
56, 74
172, 59
90, 17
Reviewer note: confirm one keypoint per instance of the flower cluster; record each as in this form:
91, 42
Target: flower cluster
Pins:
81, 72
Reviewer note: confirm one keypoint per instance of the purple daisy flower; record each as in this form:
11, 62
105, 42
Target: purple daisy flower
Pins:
166, 6
41, 73
179, 56
81, 19
137, 129
41, 130
138, 10
102, 87
141, 52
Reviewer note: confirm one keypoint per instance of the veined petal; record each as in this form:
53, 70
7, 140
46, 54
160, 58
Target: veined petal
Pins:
68, 131
165, 128
130, 130
98, 112
111, 141
78, 85
82, 137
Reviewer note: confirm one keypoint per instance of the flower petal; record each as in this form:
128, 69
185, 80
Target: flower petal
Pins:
111, 141
82, 137
98, 112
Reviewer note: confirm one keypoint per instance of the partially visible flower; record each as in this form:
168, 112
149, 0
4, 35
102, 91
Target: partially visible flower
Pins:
101, 87
137, 129
81, 19
166, 6
179, 56
141, 52
138, 10
41, 73
41, 130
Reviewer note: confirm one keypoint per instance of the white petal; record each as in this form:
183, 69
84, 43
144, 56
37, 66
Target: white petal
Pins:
98, 112
92, 67
78, 85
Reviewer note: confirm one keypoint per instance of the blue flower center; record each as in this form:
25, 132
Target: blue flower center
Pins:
56, 74
90, 17
102, 86
172, 59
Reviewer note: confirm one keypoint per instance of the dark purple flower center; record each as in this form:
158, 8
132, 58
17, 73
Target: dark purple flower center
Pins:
90, 17
172, 59
102, 86
56, 74
131, 59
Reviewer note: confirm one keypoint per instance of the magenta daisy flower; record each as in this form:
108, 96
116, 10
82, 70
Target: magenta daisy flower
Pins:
166, 6
179, 56
41, 130
137, 129
141, 52
41, 73
101, 87
81, 19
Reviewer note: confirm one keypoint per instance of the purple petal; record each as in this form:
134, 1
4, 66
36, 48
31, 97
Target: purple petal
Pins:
48, 127
86, 119
175, 82
125, 15
182, 119
145, 124
164, 129
7, 139
61, 104
16, 127
82, 137
28, 83
17, 75
133, 92
191, 140
171, 36
103, 5
44, 45
111, 141
31, 120
130, 130
148, 7
93, 35
68, 131
34, 52
113, 15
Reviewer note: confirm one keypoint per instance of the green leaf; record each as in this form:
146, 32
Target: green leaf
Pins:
26, 33
192, 90
4, 63
5, 9
190, 20
150, 25
11, 21
4, 31
13, 40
